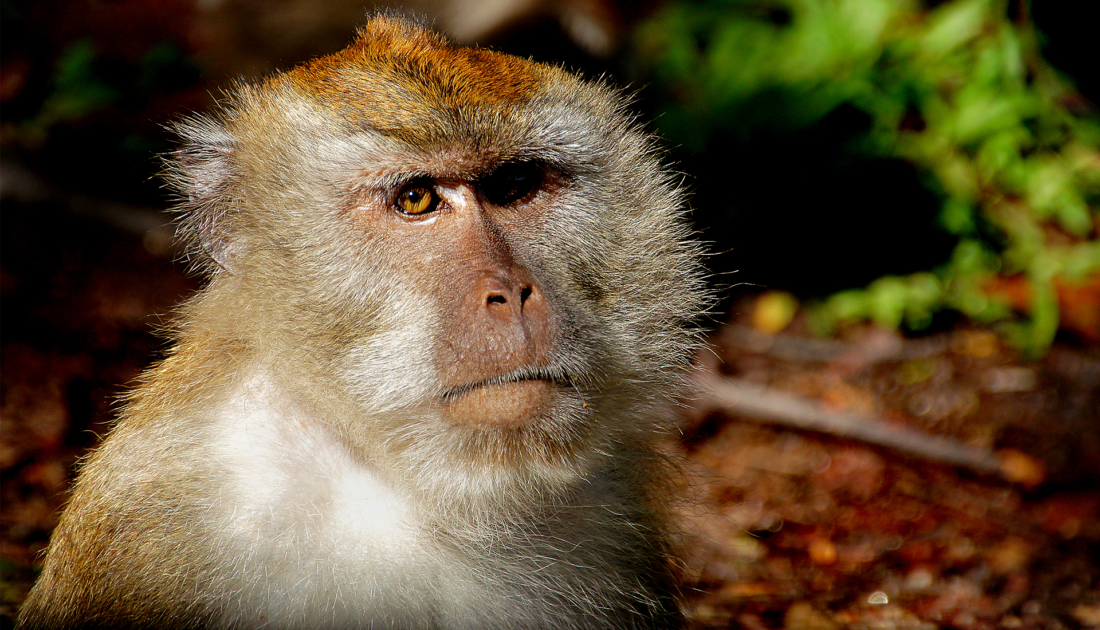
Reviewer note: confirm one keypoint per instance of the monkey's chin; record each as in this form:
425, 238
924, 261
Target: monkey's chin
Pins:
511, 404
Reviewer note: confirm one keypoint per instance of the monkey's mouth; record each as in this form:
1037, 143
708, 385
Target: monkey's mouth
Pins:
555, 376
510, 400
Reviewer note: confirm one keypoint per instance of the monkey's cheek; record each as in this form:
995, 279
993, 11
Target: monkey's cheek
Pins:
504, 405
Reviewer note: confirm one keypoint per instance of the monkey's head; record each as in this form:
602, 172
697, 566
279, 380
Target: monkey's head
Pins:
470, 262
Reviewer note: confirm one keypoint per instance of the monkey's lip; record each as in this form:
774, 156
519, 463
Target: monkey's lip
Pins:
510, 400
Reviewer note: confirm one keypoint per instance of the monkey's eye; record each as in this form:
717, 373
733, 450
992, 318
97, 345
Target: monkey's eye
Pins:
511, 182
416, 199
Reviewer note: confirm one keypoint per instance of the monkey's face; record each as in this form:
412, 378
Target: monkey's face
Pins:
459, 245
496, 345
475, 254
504, 372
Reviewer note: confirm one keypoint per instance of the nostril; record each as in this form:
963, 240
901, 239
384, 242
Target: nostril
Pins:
524, 294
496, 298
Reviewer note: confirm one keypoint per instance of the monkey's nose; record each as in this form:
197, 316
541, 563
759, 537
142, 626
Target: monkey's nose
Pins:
507, 298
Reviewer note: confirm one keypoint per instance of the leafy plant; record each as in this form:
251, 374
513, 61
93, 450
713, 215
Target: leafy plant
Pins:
959, 90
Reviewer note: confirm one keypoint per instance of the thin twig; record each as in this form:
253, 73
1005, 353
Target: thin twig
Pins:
750, 400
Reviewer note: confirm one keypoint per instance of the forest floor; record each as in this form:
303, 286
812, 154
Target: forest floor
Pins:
873, 481
982, 510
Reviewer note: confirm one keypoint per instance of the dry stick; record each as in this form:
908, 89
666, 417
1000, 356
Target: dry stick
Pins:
747, 399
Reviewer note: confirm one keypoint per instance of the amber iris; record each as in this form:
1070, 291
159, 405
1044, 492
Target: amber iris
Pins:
417, 200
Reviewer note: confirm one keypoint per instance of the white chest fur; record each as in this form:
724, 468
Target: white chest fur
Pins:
312, 536
317, 534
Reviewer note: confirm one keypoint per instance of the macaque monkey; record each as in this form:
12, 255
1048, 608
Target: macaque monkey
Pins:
448, 309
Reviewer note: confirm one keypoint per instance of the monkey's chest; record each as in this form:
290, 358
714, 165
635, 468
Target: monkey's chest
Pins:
298, 492
312, 531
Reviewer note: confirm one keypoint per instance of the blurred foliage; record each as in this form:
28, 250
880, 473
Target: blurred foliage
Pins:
84, 98
77, 89
84, 84
958, 89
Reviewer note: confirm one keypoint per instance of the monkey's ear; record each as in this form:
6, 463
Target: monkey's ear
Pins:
202, 172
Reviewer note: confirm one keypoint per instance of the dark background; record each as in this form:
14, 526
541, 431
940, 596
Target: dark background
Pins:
88, 274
